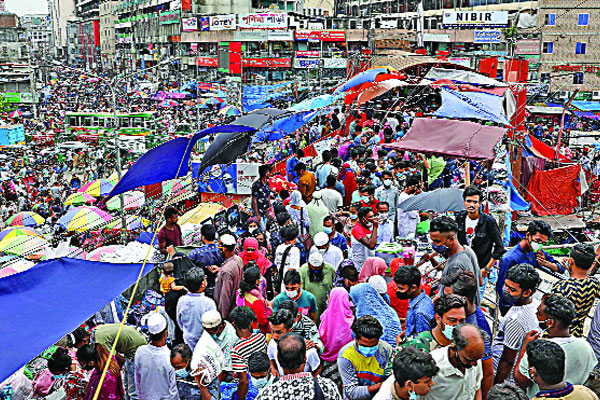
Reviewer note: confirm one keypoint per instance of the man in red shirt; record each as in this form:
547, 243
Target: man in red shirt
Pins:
364, 237
170, 234
368, 198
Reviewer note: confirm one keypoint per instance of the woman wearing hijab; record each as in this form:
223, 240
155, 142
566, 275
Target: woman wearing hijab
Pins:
252, 229
250, 296
335, 331
93, 357
349, 180
373, 266
369, 302
252, 253
298, 212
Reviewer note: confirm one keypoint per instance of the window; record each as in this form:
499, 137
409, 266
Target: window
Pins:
550, 19
583, 19
578, 78
548, 47
580, 48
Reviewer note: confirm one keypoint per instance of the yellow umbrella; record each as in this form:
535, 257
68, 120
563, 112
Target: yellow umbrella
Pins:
200, 213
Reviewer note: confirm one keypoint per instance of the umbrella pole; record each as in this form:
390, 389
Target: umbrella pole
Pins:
467, 174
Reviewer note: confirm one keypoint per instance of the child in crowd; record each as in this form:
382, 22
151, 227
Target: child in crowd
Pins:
167, 280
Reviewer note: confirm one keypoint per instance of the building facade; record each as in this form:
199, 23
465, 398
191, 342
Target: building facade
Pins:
570, 47
39, 32
60, 12
107, 33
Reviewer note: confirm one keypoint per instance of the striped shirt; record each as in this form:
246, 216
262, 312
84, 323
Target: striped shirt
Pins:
518, 321
359, 372
244, 347
582, 292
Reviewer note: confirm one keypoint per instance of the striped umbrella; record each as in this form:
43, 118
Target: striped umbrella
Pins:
133, 223
97, 254
81, 219
17, 231
114, 177
25, 218
24, 245
173, 187
132, 200
97, 188
79, 198
230, 110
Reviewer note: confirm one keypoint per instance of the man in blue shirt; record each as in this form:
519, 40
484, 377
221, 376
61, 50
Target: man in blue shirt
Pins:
528, 251
208, 257
291, 163
335, 238
420, 307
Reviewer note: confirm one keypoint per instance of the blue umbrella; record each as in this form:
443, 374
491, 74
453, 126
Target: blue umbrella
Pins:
440, 200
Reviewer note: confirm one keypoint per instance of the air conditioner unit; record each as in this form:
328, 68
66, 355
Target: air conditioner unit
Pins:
595, 95
564, 95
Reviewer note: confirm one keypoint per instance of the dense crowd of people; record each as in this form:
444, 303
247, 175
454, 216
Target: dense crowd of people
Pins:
303, 302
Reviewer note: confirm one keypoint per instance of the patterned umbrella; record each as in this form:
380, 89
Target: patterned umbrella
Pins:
229, 110
133, 223
24, 245
81, 219
132, 200
17, 231
25, 218
97, 188
114, 178
96, 254
16, 114
173, 187
79, 198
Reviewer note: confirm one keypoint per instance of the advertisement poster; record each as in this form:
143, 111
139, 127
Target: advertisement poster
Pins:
222, 22
189, 24
233, 179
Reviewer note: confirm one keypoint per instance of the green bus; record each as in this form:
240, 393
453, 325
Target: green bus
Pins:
141, 123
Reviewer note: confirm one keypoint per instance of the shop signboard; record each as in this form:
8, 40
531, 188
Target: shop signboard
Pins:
475, 18
263, 21
250, 36
487, 36
218, 22
324, 36
267, 62
280, 36
308, 53
207, 61
189, 24
527, 47
335, 63
306, 63
169, 17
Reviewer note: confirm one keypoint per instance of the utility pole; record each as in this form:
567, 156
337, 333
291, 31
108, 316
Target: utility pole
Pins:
562, 123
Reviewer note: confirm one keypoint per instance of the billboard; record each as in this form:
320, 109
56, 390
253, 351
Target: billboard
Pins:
487, 36
189, 24
218, 22
306, 63
235, 178
263, 21
475, 18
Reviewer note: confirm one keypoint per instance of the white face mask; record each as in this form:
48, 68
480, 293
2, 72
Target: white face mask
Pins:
387, 182
291, 293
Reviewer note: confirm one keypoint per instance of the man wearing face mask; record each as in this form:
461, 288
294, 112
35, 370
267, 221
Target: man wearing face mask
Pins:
208, 257
222, 332
335, 238
181, 355
317, 278
259, 368
547, 369
386, 224
364, 237
450, 311
368, 200
388, 193
363, 362
229, 276
528, 251
408, 220
414, 373
555, 314
521, 283
460, 366
420, 307
331, 254
443, 233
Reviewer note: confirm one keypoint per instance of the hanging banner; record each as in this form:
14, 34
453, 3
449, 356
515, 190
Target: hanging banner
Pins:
263, 21
487, 36
169, 17
233, 179
527, 47
189, 24
267, 62
220, 22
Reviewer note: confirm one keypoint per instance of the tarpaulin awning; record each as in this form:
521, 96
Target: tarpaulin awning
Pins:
440, 200
463, 77
358, 79
587, 114
282, 127
586, 105
162, 162
546, 110
314, 103
542, 150
554, 192
35, 315
378, 89
444, 137
471, 105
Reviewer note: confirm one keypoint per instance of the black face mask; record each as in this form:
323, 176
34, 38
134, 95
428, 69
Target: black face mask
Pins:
402, 295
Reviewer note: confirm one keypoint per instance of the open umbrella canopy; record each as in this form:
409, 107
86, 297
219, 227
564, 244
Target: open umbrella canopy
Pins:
98, 187
97, 254
16, 114
370, 75
131, 201
25, 218
440, 200
81, 219
174, 187
168, 103
379, 88
229, 110
24, 246
200, 213
79, 198
17, 231
133, 223
114, 177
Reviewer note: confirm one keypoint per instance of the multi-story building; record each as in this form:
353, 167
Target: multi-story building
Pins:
60, 12
107, 33
570, 47
39, 33
88, 18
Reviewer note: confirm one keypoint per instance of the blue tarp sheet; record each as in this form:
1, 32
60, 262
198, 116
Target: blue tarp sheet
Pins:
587, 114
365, 76
284, 126
472, 105
586, 105
162, 162
321, 101
259, 96
39, 306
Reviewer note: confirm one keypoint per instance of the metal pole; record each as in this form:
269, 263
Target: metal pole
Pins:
562, 123
117, 142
